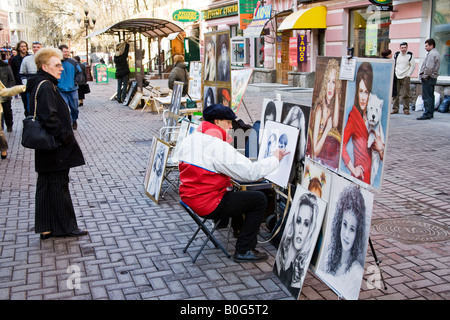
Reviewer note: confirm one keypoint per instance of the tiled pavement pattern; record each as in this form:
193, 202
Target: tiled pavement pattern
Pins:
134, 248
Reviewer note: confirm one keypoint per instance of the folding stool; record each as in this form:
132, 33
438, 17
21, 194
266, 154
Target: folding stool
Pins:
206, 231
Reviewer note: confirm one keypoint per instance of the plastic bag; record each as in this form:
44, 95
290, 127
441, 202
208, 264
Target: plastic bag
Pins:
445, 105
419, 104
437, 99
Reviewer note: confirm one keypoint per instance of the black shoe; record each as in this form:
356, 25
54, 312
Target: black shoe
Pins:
3, 156
45, 236
74, 125
76, 233
250, 256
423, 118
9, 128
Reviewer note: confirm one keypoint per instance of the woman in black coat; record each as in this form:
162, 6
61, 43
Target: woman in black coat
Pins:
54, 212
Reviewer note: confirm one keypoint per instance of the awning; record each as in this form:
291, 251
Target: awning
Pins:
255, 28
311, 18
148, 27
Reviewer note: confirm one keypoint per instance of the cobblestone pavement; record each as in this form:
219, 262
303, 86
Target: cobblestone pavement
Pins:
134, 249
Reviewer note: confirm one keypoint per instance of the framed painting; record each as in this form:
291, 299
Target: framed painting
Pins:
239, 82
223, 57
209, 96
136, 100
327, 114
299, 239
366, 122
277, 135
343, 253
157, 168
209, 68
150, 159
175, 103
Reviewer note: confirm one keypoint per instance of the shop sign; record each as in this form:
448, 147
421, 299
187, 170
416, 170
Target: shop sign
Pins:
264, 12
381, 5
185, 15
246, 10
302, 44
220, 12
293, 51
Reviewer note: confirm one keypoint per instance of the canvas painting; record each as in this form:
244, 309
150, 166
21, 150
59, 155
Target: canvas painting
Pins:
209, 96
342, 257
277, 135
366, 122
327, 113
175, 103
223, 57
299, 238
224, 96
182, 133
136, 100
318, 180
298, 116
150, 159
271, 111
157, 167
209, 68
239, 82
195, 80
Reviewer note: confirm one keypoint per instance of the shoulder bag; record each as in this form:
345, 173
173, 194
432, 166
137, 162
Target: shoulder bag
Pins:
34, 136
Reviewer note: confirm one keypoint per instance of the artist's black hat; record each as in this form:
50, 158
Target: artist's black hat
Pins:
218, 112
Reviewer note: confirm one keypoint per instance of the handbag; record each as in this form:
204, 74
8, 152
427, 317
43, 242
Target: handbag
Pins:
34, 136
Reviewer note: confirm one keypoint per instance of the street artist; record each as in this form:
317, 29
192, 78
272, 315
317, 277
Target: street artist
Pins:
208, 162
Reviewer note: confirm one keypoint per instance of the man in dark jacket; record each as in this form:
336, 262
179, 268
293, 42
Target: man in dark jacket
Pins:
16, 62
7, 78
122, 70
179, 73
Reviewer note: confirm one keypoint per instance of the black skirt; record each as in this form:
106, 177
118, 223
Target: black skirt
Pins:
54, 208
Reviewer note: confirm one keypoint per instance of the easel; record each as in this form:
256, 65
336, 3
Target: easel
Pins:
377, 262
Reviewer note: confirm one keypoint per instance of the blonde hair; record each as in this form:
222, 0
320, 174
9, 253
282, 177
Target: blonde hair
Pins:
44, 55
178, 58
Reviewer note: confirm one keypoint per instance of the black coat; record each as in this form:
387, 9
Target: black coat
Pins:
179, 73
53, 114
7, 78
121, 63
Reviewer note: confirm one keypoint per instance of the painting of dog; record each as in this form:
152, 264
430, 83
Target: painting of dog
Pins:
374, 113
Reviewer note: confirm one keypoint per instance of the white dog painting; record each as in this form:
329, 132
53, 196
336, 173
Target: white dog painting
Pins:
374, 112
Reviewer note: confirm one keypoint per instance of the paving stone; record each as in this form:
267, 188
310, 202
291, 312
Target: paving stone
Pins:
135, 247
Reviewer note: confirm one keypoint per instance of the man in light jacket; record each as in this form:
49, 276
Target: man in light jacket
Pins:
429, 72
207, 163
404, 67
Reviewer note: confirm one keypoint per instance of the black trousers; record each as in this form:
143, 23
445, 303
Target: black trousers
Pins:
7, 113
54, 208
251, 204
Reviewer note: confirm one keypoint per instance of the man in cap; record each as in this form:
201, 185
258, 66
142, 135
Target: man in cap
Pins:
207, 163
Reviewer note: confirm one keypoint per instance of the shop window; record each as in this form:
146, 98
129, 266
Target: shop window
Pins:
440, 32
369, 32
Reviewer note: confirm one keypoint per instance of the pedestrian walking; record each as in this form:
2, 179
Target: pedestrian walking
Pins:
83, 86
8, 80
68, 83
429, 72
28, 67
16, 62
404, 68
179, 73
54, 211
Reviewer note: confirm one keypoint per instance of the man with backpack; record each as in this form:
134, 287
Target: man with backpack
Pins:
404, 67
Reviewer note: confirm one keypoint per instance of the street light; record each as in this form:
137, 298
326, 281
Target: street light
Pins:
87, 24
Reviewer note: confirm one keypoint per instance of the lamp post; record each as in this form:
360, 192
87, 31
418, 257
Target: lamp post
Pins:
87, 24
